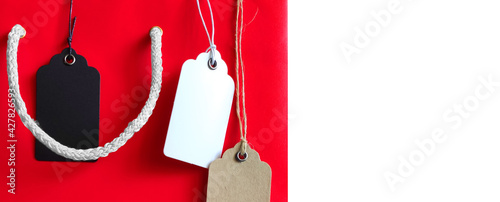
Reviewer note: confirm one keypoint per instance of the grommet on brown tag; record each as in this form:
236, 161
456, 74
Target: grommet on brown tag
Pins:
230, 179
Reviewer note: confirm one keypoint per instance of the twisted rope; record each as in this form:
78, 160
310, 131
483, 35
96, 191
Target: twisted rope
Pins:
93, 153
240, 108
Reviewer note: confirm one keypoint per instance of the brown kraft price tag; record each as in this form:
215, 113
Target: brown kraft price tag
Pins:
232, 180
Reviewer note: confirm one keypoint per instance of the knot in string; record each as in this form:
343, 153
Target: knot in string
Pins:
212, 50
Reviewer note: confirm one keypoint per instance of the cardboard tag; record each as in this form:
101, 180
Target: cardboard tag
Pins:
232, 180
67, 104
201, 110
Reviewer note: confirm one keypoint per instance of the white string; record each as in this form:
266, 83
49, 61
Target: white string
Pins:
212, 47
93, 153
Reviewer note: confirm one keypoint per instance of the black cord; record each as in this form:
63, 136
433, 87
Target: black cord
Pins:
71, 27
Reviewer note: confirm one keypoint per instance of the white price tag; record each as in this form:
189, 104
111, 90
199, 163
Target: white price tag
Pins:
201, 111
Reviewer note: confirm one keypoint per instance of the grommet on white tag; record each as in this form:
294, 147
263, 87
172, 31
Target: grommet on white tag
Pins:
201, 111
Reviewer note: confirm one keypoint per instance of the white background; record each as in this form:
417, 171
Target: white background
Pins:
349, 122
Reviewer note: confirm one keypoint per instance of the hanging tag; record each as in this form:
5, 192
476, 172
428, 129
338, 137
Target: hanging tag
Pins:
201, 110
67, 104
230, 179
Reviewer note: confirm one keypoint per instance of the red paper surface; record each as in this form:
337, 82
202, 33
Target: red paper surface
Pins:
114, 38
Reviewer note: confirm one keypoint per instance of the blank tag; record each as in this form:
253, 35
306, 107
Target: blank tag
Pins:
67, 105
201, 110
235, 181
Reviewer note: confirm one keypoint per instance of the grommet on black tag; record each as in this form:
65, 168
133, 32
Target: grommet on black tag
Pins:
67, 104
69, 59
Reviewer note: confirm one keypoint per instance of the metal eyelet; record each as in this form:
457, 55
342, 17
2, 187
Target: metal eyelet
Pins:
210, 66
73, 59
238, 157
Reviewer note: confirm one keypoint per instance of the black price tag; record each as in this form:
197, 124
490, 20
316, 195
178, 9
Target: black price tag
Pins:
67, 104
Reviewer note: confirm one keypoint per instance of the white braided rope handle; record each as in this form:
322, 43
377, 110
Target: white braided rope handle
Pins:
18, 32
